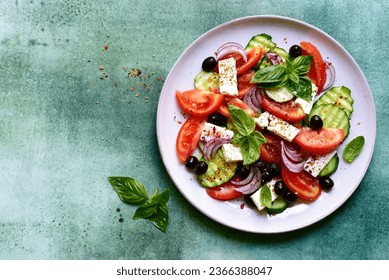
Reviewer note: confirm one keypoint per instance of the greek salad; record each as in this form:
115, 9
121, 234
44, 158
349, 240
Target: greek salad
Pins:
264, 123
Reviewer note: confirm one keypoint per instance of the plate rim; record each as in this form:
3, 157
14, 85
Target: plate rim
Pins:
310, 26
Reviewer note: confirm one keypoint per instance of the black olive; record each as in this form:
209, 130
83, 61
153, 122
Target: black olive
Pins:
200, 168
280, 188
295, 51
266, 177
274, 169
217, 119
191, 162
316, 122
242, 171
326, 182
262, 165
289, 196
209, 64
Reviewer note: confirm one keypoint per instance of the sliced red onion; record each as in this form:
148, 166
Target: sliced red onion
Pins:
245, 181
274, 58
292, 153
294, 167
253, 184
231, 47
211, 147
252, 100
330, 71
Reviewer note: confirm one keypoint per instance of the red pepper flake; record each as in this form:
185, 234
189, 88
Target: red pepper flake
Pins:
132, 88
242, 206
137, 94
101, 68
105, 47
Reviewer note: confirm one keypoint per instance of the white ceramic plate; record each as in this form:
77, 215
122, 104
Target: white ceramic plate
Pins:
285, 32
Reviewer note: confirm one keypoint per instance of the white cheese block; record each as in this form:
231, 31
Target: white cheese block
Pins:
231, 153
214, 131
256, 197
307, 105
314, 164
228, 81
280, 127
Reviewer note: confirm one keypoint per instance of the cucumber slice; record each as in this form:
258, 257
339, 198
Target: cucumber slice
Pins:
277, 206
281, 94
206, 80
339, 96
261, 40
281, 52
332, 116
330, 167
219, 171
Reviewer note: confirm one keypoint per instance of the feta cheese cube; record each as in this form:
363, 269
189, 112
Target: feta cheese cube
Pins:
228, 81
256, 197
231, 153
307, 105
277, 126
314, 164
214, 131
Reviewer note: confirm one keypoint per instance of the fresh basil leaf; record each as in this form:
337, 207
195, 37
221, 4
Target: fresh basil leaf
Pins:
303, 89
129, 190
353, 149
242, 121
144, 211
271, 74
259, 137
265, 197
160, 218
237, 138
301, 64
250, 150
161, 198
293, 77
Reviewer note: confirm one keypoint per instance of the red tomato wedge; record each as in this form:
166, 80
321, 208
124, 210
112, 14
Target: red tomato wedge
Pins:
223, 109
244, 83
271, 150
303, 184
188, 137
320, 141
253, 56
199, 103
223, 192
288, 111
317, 71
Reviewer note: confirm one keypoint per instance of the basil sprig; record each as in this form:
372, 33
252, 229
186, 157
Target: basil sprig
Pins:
265, 197
353, 149
153, 208
248, 139
290, 74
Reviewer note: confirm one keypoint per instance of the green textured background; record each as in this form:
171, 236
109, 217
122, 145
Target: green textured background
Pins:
70, 116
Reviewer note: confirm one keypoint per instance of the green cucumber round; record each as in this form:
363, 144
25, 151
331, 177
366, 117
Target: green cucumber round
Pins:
339, 96
332, 116
330, 167
219, 171
281, 94
206, 81
277, 206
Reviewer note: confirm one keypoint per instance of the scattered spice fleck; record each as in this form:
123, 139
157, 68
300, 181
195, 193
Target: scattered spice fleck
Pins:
105, 47
121, 220
101, 68
132, 88
137, 94
118, 210
242, 206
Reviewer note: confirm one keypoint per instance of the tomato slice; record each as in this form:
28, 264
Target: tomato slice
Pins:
223, 192
317, 71
188, 137
253, 56
303, 184
271, 150
223, 109
320, 141
288, 111
199, 103
244, 83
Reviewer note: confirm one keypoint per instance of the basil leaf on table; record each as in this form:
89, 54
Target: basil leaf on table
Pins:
129, 190
353, 149
153, 208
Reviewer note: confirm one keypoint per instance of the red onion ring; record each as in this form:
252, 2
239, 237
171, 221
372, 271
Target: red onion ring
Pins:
292, 166
253, 99
274, 58
231, 47
292, 153
252, 185
331, 73
211, 147
245, 181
